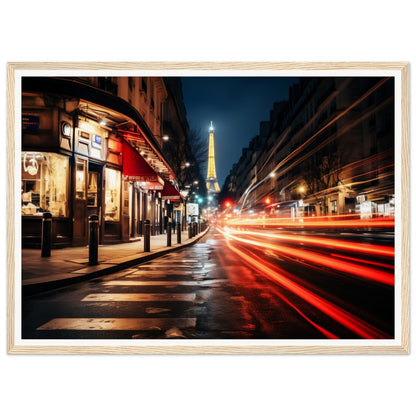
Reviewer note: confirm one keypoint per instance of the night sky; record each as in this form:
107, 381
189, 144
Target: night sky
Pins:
236, 106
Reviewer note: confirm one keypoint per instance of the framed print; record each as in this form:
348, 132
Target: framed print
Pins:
208, 208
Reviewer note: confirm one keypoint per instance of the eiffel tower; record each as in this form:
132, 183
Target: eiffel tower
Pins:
212, 182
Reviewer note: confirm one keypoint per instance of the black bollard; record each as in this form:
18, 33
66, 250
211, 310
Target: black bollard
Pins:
46, 240
178, 233
147, 235
169, 234
93, 240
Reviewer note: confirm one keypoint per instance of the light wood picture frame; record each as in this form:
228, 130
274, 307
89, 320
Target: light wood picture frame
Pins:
398, 345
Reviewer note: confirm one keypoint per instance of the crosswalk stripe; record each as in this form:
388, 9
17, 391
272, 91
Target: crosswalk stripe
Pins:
160, 283
169, 266
140, 297
120, 324
159, 272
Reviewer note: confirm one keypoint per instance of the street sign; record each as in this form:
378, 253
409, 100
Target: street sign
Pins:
192, 209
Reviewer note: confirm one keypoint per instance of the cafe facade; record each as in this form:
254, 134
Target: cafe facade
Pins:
84, 152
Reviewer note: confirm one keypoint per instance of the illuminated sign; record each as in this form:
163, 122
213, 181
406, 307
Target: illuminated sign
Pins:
30, 122
30, 163
96, 141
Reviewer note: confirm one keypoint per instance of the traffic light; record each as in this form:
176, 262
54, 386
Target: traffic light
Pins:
267, 200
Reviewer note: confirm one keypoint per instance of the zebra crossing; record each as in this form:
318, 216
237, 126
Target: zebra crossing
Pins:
164, 295
120, 324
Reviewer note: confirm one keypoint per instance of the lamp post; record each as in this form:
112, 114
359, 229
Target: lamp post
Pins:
184, 193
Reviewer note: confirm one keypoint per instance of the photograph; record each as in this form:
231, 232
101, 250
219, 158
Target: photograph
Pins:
208, 208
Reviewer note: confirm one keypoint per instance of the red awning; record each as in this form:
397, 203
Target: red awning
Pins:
136, 169
170, 192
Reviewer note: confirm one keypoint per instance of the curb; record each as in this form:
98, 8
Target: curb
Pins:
34, 288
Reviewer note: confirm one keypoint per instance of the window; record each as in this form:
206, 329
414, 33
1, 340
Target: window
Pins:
45, 178
112, 195
80, 175
92, 189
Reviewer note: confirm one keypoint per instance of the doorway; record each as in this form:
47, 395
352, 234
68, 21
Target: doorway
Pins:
94, 194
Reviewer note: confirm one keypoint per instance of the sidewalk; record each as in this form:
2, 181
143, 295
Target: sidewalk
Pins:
70, 265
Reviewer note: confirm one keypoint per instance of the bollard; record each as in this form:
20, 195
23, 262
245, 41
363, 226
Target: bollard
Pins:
46, 240
147, 235
169, 234
178, 233
93, 240
189, 230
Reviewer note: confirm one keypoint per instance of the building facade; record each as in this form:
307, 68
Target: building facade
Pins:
94, 146
329, 150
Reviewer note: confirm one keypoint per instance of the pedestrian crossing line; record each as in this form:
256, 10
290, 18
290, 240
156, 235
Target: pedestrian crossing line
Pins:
158, 272
178, 259
150, 283
160, 283
165, 260
119, 324
140, 297
170, 266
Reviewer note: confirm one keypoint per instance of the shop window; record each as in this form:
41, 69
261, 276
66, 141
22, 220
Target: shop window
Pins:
112, 194
80, 175
92, 189
333, 207
45, 178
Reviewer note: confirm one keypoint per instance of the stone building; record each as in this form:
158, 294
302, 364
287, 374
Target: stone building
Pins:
95, 145
329, 149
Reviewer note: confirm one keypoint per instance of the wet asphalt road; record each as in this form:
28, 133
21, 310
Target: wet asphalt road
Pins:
205, 291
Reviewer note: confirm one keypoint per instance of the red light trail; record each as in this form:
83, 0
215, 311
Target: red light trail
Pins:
315, 222
326, 242
319, 259
283, 278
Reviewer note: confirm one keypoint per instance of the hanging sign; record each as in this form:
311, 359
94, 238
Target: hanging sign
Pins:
97, 141
192, 209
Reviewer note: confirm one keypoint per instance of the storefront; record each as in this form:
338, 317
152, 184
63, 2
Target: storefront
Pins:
142, 194
45, 187
173, 204
65, 173
74, 165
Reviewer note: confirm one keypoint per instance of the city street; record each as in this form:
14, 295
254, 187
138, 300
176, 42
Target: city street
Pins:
263, 284
301, 201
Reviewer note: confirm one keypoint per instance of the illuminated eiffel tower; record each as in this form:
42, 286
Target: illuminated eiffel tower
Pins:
212, 182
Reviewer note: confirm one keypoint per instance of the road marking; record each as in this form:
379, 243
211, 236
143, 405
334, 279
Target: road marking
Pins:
180, 261
119, 324
162, 282
160, 273
170, 266
140, 297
